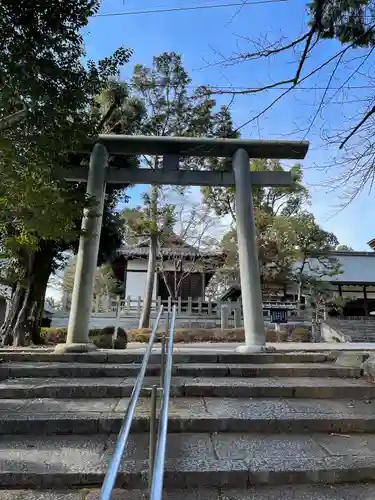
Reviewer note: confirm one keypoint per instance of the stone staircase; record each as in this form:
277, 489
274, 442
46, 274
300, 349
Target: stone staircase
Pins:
241, 427
353, 330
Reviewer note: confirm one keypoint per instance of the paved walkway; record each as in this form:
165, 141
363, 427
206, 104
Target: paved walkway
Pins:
209, 347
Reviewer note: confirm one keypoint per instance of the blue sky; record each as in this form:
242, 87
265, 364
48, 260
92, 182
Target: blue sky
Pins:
200, 36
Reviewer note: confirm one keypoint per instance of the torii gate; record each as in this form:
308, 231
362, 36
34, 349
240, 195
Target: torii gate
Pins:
172, 148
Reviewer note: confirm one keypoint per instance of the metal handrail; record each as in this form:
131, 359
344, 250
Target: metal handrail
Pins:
158, 470
114, 464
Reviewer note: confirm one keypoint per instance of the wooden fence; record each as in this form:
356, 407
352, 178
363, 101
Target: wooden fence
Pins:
194, 307
190, 313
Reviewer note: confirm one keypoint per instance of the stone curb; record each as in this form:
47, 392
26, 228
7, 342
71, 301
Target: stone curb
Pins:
290, 492
194, 473
99, 357
77, 370
351, 359
191, 388
99, 423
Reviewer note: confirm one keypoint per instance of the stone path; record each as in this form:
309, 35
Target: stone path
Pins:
224, 347
76, 369
315, 492
228, 460
260, 427
117, 387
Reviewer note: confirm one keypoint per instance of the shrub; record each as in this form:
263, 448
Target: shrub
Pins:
94, 332
53, 335
300, 335
120, 342
102, 338
273, 336
186, 335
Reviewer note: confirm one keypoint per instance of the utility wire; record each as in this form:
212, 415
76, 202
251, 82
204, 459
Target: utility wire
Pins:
181, 9
221, 87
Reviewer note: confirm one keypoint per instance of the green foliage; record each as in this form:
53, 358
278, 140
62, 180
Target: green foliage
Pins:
290, 248
33, 201
273, 208
312, 241
276, 249
140, 222
344, 248
105, 282
186, 335
53, 335
300, 335
344, 20
321, 298
312, 253
99, 337
271, 200
171, 108
40, 60
53, 303
42, 75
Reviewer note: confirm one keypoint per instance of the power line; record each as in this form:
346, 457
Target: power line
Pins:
181, 9
239, 88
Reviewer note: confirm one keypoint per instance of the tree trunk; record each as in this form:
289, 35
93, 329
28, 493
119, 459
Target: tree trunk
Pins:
144, 321
299, 293
27, 303
300, 287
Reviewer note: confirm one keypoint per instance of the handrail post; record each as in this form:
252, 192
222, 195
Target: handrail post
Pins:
152, 442
162, 351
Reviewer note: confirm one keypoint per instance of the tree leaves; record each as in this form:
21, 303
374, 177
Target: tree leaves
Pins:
345, 20
41, 70
105, 282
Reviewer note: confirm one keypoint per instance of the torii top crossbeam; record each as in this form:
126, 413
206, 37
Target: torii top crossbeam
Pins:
173, 148
200, 146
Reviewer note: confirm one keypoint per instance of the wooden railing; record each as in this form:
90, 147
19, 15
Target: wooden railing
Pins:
190, 313
190, 306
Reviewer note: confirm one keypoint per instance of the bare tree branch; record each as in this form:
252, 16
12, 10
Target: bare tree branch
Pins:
13, 119
325, 63
324, 95
237, 12
357, 127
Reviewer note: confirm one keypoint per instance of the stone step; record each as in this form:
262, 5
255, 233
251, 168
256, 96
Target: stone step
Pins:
192, 460
195, 414
131, 357
295, 492
45, 369
276, 387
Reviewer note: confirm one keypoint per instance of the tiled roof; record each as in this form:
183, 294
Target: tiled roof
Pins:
139, 251
356, 267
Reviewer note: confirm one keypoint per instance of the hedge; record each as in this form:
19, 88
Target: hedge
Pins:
102, 338
186, 335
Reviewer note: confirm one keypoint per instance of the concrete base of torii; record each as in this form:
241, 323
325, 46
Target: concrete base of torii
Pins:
250, 349
78, 348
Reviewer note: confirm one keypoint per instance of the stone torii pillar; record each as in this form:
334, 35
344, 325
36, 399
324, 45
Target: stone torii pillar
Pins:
80, 310
172, 149
251, 292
